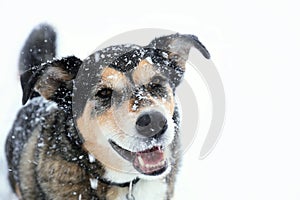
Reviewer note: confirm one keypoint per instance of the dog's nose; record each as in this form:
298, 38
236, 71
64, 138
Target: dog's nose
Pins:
152, 124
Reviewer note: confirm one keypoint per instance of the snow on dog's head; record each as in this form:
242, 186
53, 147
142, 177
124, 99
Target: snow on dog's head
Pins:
125, 107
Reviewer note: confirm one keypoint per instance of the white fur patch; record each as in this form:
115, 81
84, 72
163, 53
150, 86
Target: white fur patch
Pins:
150, 190
145, 190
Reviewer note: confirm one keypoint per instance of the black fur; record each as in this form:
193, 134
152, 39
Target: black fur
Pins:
39, 48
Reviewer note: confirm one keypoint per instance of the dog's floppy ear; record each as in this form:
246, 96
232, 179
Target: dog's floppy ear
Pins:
178, 47
52, 79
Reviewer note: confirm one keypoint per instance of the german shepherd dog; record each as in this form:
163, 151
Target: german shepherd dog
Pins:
103, 128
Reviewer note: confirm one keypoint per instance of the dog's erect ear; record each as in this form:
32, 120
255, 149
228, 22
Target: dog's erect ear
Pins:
178, 47
39, 47
53, 80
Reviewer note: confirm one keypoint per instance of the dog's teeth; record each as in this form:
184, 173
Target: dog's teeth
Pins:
141, 161
155, 165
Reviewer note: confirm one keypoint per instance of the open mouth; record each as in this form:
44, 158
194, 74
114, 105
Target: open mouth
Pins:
149, 162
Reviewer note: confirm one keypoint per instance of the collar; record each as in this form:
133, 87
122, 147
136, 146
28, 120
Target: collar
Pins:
126, 184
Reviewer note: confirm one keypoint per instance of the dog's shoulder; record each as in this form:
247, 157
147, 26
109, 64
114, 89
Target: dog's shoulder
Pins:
28, 119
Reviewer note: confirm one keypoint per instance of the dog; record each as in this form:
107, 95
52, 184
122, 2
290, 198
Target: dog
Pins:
106, 127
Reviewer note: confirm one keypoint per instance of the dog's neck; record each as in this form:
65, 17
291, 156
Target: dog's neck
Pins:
125, 184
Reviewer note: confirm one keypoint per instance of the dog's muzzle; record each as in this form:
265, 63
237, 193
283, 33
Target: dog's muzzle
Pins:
152, 160
151, 124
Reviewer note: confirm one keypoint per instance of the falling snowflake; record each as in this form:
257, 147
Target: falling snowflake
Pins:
94, 183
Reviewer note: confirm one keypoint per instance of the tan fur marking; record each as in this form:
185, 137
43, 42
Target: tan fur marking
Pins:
18, 191
143, 73
27, 166
113, 78
84, 120
169, 103
94, 141
50, 81
115, 192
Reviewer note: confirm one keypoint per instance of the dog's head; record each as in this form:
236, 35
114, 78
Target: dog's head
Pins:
124, 103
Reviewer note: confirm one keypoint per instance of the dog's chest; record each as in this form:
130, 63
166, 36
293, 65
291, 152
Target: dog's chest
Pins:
143, 190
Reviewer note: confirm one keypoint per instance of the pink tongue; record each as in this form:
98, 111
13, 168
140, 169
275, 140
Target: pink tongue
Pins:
152, 157
149, 161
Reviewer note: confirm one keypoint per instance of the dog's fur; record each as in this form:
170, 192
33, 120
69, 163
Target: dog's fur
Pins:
78, 136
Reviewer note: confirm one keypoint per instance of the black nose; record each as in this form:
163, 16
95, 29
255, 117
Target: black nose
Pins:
152, 124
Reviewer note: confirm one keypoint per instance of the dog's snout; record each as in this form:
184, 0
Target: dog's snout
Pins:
152, 124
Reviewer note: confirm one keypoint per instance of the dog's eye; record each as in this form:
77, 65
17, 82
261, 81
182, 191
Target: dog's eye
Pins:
104, 93
157, 86
157, 80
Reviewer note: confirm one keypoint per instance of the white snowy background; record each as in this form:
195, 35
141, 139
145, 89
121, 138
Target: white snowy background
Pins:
255, 46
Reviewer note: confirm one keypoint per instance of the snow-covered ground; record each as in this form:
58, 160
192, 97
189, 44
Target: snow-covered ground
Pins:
255, 46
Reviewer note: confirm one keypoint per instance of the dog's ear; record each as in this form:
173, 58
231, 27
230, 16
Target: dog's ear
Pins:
178, 46
52, 80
